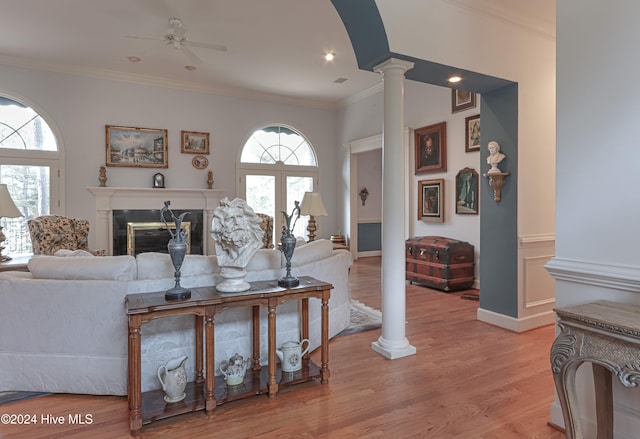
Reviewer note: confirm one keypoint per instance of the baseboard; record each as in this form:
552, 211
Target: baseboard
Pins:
369, 254
514, 324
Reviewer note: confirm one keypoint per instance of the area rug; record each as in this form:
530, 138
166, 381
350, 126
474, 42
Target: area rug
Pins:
7, 397
363, 318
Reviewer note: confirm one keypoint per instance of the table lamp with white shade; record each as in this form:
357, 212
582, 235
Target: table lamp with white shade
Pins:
313, 206
8, 209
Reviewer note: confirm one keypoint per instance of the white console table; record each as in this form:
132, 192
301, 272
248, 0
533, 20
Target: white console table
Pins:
606, 334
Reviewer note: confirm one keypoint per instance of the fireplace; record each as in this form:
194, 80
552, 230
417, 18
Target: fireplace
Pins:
138, 231
110, 199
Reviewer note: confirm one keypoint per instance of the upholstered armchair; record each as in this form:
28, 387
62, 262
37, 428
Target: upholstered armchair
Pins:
267, 228
50, 233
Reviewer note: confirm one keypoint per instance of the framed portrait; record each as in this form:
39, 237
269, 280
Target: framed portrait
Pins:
195, 143
467, 192
136, 147
462, 100
431, 148
431, 200
472, 133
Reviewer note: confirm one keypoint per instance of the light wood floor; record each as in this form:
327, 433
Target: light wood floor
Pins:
467, 380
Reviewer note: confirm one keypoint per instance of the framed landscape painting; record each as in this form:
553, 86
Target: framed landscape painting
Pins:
431, 200
431, 148
195, 143
136, 147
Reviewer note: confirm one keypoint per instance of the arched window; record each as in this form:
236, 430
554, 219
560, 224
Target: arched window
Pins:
277, 166
30, 166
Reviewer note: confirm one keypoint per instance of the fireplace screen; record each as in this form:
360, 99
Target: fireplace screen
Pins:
144, 237
138, 231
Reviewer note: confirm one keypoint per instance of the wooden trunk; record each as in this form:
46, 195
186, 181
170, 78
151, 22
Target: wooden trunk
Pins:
438, 262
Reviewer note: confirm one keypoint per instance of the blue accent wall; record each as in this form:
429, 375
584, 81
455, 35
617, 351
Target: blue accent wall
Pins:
499, 221
369, 237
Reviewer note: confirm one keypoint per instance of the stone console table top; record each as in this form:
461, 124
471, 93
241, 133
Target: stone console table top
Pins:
607, 334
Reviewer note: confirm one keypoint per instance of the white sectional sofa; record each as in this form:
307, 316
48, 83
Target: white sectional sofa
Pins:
63, 325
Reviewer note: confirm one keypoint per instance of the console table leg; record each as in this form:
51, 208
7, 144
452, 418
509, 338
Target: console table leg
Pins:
604, 401
324, 369
256, 337
199, 348
210, 401
134, 391
273, 384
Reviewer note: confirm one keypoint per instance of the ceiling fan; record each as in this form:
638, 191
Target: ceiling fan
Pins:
177, 38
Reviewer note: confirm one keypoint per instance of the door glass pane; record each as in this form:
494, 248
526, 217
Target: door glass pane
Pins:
29, 187
296, 187
261, 195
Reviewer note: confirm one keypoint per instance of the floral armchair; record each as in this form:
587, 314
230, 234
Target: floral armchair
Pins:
50, 233
267, 228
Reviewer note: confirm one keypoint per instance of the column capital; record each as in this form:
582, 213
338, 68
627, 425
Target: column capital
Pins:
393, 63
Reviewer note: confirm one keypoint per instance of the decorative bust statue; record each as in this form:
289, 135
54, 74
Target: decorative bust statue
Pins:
495, 157
238, 236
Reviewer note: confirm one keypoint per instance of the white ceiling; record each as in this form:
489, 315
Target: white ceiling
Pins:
275, 47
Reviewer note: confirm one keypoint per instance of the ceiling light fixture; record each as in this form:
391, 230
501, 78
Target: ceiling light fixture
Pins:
329, 56
191, 68
134, 59
455, 79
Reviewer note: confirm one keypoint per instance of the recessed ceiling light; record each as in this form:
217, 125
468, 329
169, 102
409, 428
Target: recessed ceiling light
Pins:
329, 56
134, 59
191, 68
455, 79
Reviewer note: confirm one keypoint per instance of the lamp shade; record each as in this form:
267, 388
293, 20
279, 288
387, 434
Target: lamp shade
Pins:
8, 208
312, 204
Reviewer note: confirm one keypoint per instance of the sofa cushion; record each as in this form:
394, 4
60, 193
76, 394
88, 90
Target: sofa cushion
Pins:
311, 251
65, 252
264, 259
121, 268
153, 265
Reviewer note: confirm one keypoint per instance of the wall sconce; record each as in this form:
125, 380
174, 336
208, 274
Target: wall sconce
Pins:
364, 193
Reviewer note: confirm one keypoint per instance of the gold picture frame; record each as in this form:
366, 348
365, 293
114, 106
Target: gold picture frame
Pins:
194, 142
136, 147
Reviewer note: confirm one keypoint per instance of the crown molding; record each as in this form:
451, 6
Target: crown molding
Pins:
489, 8
155, 81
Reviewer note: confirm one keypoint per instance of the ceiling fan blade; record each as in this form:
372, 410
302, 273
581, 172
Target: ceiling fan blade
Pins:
142, 38
218, 47
193, 58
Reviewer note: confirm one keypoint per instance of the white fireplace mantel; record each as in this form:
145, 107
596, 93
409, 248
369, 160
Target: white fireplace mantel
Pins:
109, 199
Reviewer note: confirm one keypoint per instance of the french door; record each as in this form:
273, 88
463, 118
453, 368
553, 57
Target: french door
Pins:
275, 191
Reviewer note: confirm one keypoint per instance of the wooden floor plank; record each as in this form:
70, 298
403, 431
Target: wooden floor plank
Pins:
468, 380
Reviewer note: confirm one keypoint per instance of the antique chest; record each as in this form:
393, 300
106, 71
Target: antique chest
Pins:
438, 262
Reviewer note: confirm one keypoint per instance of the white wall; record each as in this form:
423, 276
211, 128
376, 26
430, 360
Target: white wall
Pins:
81, 107
597, 201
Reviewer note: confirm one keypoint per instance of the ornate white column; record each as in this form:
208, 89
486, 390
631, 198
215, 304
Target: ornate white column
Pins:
393, 343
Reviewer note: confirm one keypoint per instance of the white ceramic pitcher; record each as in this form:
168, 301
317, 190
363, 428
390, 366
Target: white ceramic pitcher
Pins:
290, 355
173, 378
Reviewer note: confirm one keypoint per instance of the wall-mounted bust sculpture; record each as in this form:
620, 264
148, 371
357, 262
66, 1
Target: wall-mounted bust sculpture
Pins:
495, 157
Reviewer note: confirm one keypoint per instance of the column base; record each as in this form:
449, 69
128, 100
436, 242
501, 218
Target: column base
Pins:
391, 353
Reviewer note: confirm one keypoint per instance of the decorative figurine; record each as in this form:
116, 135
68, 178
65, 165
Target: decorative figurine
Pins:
177, 250
210, 179
238, 236
102, 178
